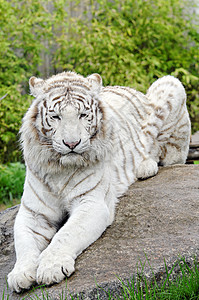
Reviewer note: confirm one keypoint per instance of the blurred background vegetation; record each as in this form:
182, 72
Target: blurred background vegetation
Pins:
128, 42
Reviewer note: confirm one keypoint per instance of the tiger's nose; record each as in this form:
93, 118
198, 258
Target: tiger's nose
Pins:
71, 145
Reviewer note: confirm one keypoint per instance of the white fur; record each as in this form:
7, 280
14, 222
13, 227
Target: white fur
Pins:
130, 134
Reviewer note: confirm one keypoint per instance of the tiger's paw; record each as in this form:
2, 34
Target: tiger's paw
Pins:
22, 276
147, 168
53, 268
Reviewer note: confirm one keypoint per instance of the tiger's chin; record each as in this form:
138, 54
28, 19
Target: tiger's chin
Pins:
84, 159
74, 158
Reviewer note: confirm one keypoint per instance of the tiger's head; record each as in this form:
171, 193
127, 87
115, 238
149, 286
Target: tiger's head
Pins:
66, 118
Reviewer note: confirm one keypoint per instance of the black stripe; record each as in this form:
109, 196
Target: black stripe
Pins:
124, 161
118, 175
41, 114
128, 127
85, 193
36, 214
40, 234
129, 100
82, 180
67, 182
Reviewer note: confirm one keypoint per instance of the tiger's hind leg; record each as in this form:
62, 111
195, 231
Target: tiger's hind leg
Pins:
147, 168
174, 134
175, 150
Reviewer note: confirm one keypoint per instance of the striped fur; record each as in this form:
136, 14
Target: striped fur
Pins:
84, 144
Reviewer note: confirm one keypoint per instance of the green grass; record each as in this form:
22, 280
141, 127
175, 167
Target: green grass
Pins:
183, 286
12, 178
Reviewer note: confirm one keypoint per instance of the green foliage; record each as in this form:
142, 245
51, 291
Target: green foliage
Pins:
129, 43
11, 182
12, 109
23, 27
133, 43
183, 286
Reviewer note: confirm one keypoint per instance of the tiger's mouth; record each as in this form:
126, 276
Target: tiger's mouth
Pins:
72, 153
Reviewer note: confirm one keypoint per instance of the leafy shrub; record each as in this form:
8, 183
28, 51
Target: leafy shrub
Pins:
11, 182
133, 43
12, 109
129, 43
23, 26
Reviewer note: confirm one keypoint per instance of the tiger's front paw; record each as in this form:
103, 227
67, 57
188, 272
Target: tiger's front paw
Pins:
54, 267
147, 168
22, 276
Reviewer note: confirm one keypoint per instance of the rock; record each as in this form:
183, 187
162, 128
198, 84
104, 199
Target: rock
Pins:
193, 148
158, 218
195, 138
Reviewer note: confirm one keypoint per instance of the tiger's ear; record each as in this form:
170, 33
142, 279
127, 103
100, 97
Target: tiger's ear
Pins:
36, 86
96, 81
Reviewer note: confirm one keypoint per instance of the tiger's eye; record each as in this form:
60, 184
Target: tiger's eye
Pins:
56, 117
83, 116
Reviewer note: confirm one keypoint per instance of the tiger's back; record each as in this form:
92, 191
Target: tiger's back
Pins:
128, 110
149, 129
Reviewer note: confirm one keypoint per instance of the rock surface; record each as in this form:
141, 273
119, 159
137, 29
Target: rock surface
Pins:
193, 148
157, 218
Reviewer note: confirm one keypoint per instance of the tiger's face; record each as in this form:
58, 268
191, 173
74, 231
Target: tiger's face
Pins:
69, 116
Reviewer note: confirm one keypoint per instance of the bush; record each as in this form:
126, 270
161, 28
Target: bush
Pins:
23, 26
12, 109
11, 182
133, 43
129, 43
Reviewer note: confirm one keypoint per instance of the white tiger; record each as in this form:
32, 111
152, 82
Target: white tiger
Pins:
84, 144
